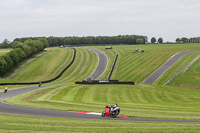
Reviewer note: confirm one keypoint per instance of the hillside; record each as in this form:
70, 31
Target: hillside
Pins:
147, 101
138, 66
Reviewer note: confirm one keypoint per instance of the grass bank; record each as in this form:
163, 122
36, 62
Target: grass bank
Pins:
23, 124
138, 66
144, 101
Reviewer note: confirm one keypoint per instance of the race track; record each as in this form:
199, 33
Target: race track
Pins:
29, 111
163, 68
102, 65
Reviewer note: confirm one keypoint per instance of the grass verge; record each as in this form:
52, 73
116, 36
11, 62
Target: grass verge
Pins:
144, 101
23, 124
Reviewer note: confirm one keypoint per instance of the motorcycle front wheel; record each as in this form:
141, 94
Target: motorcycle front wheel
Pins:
103, 114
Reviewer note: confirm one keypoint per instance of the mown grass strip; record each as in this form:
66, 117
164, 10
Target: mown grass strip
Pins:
16, 123
144, 101
176, 68
43, 68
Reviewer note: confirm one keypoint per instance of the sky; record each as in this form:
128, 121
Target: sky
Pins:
168, 19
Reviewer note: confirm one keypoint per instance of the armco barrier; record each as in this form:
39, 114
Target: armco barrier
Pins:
103, 82
113, 66
47, 81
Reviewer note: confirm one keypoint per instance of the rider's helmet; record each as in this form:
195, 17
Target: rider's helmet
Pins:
115, 105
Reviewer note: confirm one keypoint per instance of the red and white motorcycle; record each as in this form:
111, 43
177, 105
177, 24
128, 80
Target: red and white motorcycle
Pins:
111, 111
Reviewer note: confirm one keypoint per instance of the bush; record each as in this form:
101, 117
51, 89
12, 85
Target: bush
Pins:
3, 66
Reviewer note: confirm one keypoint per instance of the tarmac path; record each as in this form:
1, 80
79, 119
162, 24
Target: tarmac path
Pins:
102, 65
163, 68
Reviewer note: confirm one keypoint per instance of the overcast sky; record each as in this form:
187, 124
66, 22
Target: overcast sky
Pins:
154, 18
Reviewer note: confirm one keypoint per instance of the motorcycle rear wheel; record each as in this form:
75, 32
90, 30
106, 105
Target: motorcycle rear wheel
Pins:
114, 114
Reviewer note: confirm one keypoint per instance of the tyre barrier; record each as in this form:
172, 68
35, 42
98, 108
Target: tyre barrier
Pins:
113, 66
104, 82
47, 81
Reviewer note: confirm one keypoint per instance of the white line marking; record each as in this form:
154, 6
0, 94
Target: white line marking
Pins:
93, 113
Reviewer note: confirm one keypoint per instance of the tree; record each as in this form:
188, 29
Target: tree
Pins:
31, 44
39, 45
5, 44
8, 61
44, 41
14, 57
139, 41
184, 39
21, 54
52, 41
3, 66
178, 40
16, 43
27, 50
153, 40
19, 45
160, 40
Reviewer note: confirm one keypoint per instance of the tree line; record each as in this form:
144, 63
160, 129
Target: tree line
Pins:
20, 52
89, 40
188, 40
5, 44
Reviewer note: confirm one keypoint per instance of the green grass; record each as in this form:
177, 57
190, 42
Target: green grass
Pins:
144, 101
138, 66
190, 78
3, 51
49, 65
45, 67
84, 65
24, 124
177, 67
110, 56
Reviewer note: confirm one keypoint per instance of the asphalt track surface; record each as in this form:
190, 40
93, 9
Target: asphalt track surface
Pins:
102, 65
163, 68
30, 111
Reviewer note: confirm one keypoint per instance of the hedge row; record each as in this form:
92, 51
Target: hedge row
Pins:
21, 52
92, 40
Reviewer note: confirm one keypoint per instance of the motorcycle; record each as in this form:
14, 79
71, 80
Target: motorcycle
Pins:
111, 111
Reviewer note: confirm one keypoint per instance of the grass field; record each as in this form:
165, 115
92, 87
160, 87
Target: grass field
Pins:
175, 101
45, 67
84, 65
190, 78
24, 124
136, 67
145, 101
179, 66
3, 51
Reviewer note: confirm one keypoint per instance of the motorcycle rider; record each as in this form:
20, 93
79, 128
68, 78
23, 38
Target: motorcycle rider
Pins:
111, 110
